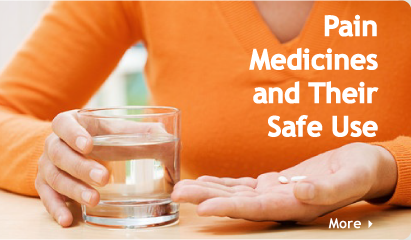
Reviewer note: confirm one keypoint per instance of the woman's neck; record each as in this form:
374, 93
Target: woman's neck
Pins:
285, 19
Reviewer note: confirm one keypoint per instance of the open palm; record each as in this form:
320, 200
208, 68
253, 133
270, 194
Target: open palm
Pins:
334, 179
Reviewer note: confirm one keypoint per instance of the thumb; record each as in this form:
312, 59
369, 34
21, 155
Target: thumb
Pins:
333, 188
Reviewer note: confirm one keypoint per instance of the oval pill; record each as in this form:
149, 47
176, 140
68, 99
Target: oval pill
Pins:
297, 178
282, 179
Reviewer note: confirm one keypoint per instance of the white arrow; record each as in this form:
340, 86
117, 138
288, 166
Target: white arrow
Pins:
369, 223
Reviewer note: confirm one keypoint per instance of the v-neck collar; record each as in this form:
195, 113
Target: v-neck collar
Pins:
253, 33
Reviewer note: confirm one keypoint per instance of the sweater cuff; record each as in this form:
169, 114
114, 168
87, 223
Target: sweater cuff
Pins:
400, 148
32, 163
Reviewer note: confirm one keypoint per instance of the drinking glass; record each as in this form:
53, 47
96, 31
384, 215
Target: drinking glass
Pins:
140, 147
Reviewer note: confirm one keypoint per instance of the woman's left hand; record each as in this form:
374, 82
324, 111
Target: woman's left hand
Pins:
339, 177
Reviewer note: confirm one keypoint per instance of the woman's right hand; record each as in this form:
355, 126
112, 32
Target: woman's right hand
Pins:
64, 171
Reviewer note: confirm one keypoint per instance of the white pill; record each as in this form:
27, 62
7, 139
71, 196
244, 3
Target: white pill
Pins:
297, 178
282, 179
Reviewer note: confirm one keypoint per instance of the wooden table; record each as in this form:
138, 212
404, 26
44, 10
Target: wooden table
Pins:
24, 217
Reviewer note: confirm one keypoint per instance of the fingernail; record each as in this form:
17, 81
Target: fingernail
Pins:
86, 196
59, 219
306, 191
96, 175
81, 143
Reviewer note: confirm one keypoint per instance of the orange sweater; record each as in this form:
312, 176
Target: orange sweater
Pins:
198, 59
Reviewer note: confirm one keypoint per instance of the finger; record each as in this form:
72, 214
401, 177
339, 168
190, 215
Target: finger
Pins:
196, 194
99, 126
246, 181
67, 185
54, 204
260, 208
87, 170
126, 126
343, 185
66, 127
213, 185
251, 208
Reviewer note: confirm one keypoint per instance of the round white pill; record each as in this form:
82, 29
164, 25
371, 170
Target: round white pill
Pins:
297, 178
282, 179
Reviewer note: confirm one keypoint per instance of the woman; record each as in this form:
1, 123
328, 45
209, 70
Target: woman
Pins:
198, 59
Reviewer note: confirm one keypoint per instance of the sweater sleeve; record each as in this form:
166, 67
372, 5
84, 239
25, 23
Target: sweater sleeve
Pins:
400, 148
65, 60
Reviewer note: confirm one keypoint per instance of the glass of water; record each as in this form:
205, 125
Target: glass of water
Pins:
140, 146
